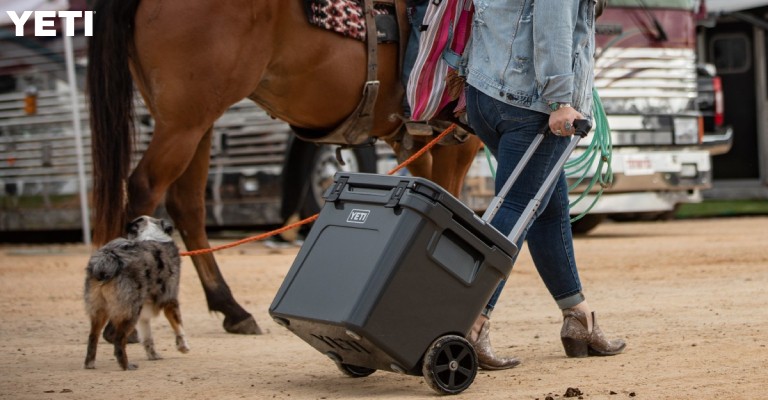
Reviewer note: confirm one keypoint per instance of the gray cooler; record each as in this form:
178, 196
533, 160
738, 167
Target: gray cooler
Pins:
391, 264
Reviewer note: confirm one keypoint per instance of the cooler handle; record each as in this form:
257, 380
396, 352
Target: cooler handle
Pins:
582, 127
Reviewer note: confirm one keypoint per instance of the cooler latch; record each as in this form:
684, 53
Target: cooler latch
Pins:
336, 189
397, 194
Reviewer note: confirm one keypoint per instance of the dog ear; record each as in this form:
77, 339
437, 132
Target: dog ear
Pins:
132, 228
167, 227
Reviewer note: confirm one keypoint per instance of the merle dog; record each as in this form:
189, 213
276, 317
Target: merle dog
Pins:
128, 281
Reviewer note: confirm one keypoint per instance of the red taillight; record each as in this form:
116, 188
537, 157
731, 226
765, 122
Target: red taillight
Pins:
718, 88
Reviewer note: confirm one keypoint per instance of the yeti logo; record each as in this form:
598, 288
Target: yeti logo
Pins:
45, 21
358, 216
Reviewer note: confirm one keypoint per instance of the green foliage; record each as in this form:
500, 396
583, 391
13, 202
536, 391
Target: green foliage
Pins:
723, 208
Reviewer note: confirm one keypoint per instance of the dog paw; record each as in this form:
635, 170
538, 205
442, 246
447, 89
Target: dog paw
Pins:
181, 345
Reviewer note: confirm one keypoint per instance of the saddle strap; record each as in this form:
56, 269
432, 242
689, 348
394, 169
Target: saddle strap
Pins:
354, 130
371, 36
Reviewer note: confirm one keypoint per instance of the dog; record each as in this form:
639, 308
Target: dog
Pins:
127, 282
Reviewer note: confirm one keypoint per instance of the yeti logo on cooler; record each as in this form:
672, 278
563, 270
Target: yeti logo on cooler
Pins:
358, 216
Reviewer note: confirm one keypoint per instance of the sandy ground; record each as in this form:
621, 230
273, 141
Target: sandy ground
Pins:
688, 296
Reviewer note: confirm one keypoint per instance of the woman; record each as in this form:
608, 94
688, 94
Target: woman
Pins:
530, 66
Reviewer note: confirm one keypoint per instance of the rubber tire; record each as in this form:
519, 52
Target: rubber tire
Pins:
354, 371
450, 365
587, 223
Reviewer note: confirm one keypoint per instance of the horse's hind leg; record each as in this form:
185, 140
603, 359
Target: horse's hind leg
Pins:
446, 165
451, 163
185, 203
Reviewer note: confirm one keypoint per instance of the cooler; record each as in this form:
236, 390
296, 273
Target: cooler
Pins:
391, 264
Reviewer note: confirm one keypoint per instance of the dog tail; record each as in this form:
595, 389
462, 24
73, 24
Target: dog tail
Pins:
107, 263
104, 266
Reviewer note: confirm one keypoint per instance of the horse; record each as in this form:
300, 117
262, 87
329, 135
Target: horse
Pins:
190, 61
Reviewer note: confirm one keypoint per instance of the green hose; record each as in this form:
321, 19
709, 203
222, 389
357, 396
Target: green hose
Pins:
596, 157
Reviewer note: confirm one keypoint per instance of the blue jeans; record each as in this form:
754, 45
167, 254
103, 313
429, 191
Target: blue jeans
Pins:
508, 131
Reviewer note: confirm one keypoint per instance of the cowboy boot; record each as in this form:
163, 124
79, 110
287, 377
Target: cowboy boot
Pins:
578, 341
486, 358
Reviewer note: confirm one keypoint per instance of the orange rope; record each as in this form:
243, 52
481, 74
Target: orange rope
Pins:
423, 150
250, 239
314, 217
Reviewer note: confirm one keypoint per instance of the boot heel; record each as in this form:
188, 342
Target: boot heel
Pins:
575, 348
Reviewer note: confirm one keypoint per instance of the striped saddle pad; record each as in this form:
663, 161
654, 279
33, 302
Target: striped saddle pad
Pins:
346, 18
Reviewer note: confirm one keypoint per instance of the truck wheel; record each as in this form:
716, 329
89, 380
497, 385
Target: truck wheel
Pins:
646, 216
587, 223
324, 166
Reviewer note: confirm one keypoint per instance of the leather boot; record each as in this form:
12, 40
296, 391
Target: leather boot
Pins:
579, 342
485, 355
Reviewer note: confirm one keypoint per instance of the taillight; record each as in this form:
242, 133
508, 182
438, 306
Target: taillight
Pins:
718, 88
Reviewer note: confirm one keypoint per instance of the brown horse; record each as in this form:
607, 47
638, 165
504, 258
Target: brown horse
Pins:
191, 60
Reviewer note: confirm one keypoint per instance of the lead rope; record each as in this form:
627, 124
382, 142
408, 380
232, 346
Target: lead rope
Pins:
262, 236
599, 149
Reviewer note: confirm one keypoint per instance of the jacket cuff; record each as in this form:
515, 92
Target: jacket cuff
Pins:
557, 88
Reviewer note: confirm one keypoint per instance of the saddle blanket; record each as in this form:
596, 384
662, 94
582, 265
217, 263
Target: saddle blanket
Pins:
346, 18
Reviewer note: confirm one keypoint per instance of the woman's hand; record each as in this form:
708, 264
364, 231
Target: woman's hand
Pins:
561, 121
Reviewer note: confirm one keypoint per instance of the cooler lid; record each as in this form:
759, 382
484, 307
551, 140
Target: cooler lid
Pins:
398, 185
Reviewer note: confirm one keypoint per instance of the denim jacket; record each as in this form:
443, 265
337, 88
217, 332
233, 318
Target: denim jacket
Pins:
529, 53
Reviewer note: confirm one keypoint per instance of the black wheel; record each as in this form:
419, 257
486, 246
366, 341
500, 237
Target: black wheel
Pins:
354, 371
587, 223
645, 216
450, 365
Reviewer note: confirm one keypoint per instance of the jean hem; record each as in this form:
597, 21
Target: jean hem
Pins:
570, 301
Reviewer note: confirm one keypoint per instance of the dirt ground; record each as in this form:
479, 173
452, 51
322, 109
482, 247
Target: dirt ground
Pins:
688, 296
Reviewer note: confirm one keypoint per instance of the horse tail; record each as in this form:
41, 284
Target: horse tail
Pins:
110, 95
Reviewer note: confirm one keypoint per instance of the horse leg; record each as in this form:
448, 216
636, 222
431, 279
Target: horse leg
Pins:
422, 166
445, 165
185, 202
451, 163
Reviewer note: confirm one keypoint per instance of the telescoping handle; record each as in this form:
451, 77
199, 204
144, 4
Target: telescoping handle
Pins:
582, 127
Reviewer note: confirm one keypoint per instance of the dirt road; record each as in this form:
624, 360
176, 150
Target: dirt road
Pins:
689, 297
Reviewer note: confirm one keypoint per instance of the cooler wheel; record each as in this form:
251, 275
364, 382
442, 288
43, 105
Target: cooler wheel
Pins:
354, 371
450, 365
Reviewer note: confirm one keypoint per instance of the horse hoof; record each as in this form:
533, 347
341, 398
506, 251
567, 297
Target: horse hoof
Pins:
247, 326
